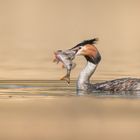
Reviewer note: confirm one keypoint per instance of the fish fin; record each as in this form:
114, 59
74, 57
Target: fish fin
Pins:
66, 78
54, 60
63, 66
54, 57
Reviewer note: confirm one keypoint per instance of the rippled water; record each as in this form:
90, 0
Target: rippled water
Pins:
55, 88
52, 110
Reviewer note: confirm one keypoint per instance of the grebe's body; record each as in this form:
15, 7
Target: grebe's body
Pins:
93, 57
123, 84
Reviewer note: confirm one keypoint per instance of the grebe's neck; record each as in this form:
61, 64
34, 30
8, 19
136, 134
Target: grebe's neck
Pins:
85, 74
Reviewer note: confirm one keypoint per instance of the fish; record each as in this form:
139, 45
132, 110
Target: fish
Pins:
65, 57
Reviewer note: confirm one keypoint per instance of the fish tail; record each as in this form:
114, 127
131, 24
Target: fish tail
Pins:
66, 78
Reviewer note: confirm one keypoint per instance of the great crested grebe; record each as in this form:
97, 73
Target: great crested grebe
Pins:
90, 52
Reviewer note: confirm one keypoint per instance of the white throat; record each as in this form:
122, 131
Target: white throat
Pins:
85, 75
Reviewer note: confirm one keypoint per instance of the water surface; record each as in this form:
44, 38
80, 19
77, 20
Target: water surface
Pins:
55, 88
34, 110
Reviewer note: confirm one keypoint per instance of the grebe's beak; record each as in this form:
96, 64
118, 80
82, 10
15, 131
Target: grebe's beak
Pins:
81, 48
90, 52
88, 49
75, 49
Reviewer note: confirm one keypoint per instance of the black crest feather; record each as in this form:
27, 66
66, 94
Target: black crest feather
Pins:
85, 42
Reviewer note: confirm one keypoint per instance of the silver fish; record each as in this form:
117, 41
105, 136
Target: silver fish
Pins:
65, 57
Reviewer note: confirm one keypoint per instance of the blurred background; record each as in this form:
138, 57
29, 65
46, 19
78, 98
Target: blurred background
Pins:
31, 30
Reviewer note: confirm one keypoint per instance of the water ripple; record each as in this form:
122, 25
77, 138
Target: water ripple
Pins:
55, 88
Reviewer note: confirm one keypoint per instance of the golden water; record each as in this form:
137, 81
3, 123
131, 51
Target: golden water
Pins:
53, 110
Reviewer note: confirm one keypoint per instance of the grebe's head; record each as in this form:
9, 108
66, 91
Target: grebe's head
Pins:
88, 49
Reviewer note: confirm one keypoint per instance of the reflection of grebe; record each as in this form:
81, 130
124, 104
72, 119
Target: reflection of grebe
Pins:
93, 57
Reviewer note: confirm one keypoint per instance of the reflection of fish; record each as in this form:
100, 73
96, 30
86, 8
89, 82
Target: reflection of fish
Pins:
66, 58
